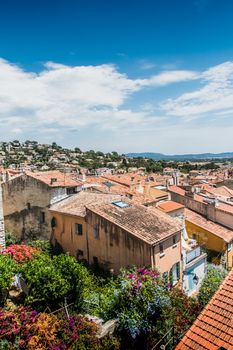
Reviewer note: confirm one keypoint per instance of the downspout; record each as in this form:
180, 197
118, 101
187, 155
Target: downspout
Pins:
152, 257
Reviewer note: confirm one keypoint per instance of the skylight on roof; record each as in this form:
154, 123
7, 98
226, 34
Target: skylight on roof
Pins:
108, 184
121, 204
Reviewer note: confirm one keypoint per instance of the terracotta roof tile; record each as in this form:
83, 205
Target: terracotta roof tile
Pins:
54, 178
170, 206
213, 327
177, 190
148, 224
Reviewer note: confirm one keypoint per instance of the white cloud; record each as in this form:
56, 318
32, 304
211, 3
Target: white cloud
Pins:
72, 96
215, 96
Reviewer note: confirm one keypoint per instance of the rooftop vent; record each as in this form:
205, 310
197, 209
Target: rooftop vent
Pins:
121, 204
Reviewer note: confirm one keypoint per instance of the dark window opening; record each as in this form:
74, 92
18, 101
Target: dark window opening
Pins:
174, 240
95, 261
79, 229
96, 232
71, 190
161, 249
42, 217
29, 206
53, 222
79, 254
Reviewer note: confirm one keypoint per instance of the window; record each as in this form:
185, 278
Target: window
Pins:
178, 270
29, 206
42, 217
79, 229
79, 254
71, 190
161, 249
175, 273
174, 240
53, 222
96, 232
194, 236
95, 261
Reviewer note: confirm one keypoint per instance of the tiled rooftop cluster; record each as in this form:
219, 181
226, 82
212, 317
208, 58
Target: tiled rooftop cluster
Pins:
148, 224
209, 225
54, 178
213, 329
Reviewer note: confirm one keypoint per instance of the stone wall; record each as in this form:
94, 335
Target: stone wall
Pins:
25, 207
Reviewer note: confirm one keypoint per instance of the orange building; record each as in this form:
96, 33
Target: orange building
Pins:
114, 232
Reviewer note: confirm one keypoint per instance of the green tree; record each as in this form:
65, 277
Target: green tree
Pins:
214, 277
50, 279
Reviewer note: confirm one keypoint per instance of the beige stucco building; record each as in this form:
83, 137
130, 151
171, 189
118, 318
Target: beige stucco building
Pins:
113, 232
27, 198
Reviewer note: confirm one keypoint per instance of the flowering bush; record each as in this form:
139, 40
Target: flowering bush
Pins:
184, 310
136, 298
21, 253
26, 329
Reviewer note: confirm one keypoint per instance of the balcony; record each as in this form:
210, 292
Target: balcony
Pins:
193, 254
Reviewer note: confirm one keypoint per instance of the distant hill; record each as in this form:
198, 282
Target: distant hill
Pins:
202, 156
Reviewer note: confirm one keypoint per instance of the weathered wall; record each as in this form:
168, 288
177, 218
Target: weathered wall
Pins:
64, 234
223, 218
190, 203
172, 254
24, 198
115, 247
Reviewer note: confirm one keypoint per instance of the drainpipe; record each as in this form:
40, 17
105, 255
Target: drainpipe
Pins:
153, 257
88, 257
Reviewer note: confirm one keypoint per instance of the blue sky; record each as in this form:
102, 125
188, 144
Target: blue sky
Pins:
132, 75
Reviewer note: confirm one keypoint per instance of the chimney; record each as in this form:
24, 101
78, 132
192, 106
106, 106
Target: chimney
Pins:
53, 179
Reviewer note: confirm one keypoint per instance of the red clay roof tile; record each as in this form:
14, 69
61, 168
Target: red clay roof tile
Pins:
214, 326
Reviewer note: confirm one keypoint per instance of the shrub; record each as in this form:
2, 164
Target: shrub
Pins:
136, 298
109, 342
43, 245
52, 278
26, 329
10, 238
8, 268
21, 253
214, 277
